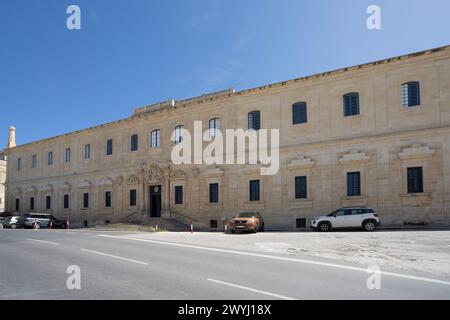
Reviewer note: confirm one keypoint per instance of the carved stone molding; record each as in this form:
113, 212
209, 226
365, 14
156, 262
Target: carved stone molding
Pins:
66, 186
177, 174
46, 188
213, 171
354, 157
301, 162
106, 182
17, 191
86, 184
416, 151
31, 189
132, 179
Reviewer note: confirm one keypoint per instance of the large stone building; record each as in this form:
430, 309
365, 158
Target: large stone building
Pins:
2, 180
374, 135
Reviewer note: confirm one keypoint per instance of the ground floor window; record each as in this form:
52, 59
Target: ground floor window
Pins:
108, 199
254, 190
213, 192
415, 180
32, 203
354, 184
178, 194
17, 204
213, 224
48, 202
85, 200
301, 188
300, 223
66, 201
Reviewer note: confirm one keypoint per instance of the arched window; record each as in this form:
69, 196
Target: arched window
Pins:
109, 147
351, 104
178, 134
254, 120
67, 155
299, 113
155, 138
410, 93
213, 127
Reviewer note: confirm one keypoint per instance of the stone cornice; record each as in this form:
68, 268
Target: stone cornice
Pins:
416, 151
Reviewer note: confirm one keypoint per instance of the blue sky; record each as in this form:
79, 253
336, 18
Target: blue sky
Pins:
134, 53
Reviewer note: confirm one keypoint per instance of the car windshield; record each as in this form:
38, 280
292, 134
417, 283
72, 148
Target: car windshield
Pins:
246, 215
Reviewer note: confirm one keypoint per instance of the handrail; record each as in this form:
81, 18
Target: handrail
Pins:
182, 215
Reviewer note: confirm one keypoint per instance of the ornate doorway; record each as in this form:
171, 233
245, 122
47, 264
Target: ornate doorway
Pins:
155, 201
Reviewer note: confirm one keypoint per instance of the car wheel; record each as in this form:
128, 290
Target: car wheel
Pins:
369, 226
324, 227
13, 226
36, 225
233, 231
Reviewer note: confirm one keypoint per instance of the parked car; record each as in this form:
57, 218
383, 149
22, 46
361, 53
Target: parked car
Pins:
247, 221
42, 220
13, 222
350, 217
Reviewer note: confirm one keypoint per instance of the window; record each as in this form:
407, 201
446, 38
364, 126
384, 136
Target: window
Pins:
299, 113
353, 184
48, 202
213, 224
19, 164
300, 223
415, 180
85, 200
213, 192
50, 158
17, 204
301, 188
133, 198
254, 120
213, 127
254, 190
109, 147
87, 151
32, 203
178, 194
108, 199
410, 92
134, 142
178, 134
351, 104
155, 138
66, 201
67, 155
33, 161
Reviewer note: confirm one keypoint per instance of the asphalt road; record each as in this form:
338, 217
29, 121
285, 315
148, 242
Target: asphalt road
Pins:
113, 265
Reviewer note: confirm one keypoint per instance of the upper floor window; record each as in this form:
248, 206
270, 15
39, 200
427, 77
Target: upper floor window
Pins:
109, 147
155, 138
301, 189
299, 113
213, 192
415, 180
410, 94
85, 200
108, 199
67, 155
134, 142
133, 198
50, 158
19, 164
33, 161
178, 134
48, 202
178, 194
351, 104
254, 120
213, 127
87, 151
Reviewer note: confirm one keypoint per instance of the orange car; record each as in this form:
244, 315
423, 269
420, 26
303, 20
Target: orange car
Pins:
247, 221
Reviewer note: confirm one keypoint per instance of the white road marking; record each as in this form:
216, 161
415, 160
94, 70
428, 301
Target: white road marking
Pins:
324, 264
116, 257
251, 289
43, 241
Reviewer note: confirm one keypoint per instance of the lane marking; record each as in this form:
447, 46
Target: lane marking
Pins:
43, 241
115, 257
251, 289
244, 253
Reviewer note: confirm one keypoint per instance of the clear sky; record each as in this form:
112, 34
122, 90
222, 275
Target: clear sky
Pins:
132, 53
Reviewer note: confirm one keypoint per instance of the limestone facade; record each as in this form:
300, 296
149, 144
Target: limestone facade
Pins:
401, 154
2, 181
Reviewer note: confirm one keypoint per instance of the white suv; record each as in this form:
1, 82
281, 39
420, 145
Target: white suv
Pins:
351, 217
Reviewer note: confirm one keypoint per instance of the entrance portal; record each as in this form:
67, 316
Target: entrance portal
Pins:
155, 201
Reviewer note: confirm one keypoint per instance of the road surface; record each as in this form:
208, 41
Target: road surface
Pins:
116, 265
